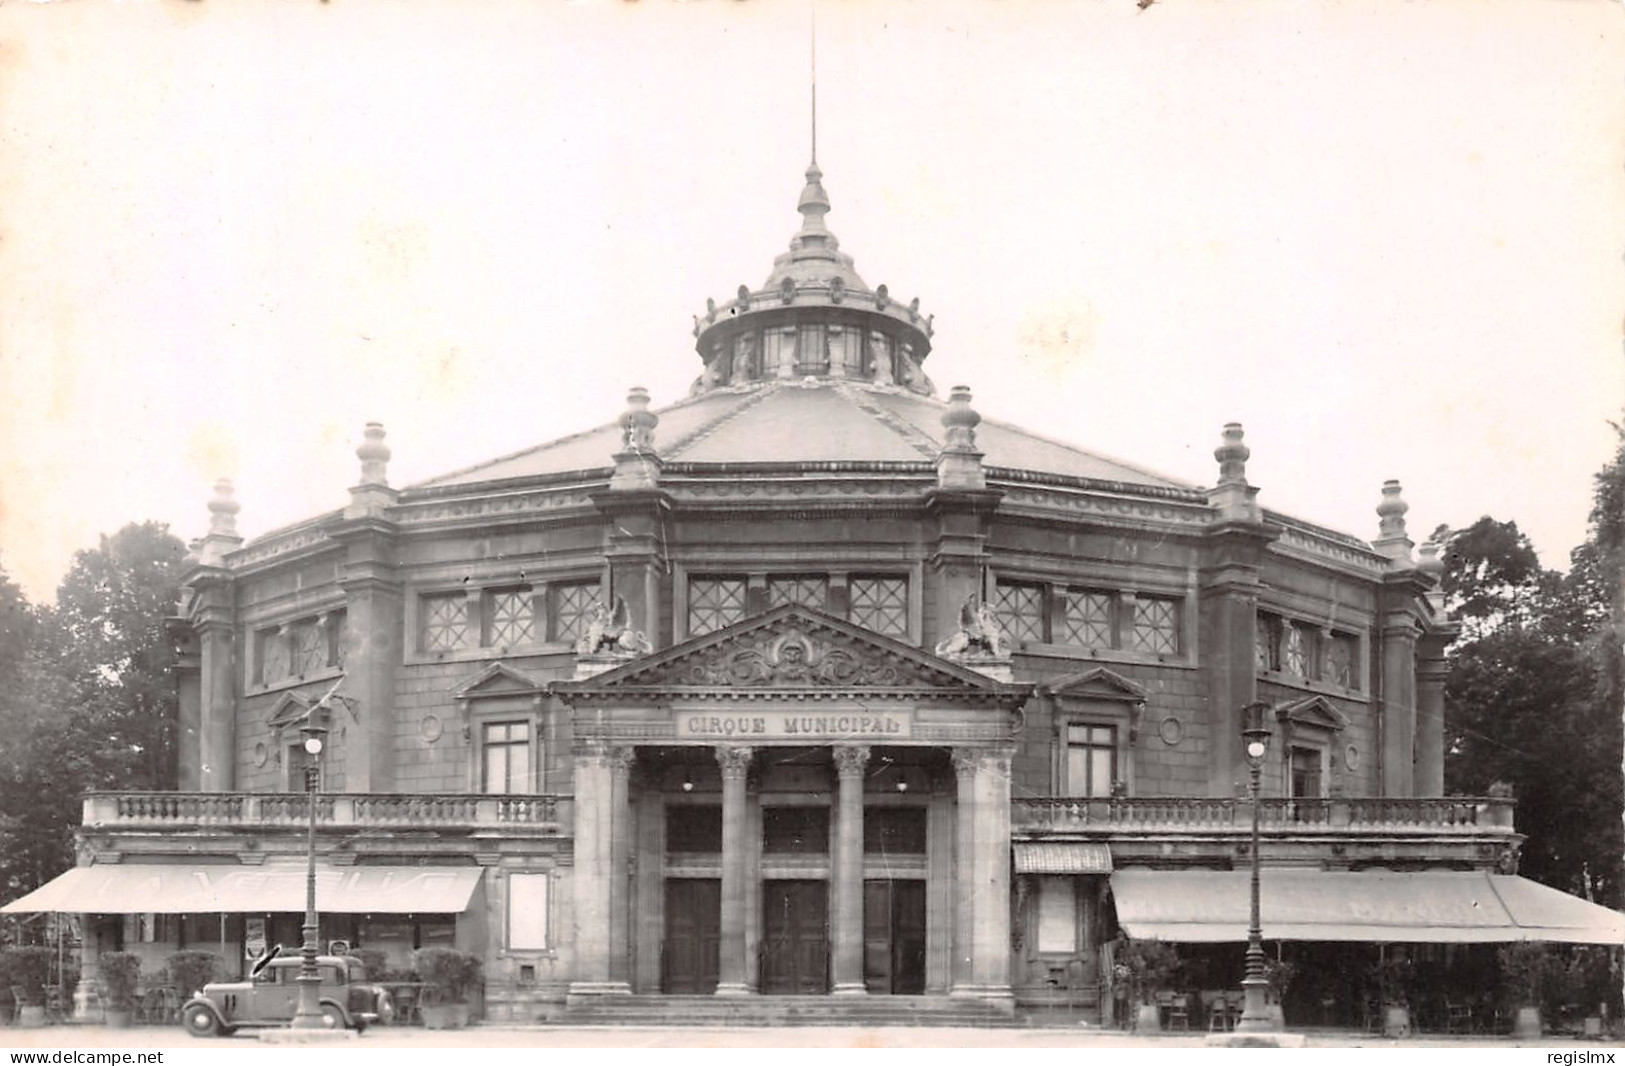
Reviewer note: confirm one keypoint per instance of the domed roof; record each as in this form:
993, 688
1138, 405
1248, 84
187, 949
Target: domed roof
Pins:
808, 421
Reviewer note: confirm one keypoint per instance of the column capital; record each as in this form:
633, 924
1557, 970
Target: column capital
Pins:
966, 761
850, 760
734, 759
620, 758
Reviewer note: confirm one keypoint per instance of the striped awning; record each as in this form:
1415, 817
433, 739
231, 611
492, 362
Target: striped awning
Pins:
1063, 858
1376, 906
184, 889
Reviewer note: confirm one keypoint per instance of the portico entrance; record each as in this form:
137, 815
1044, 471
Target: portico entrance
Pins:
755, 823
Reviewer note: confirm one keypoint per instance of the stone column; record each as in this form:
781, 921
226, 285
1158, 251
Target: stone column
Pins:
735, 763
620, 851
594, 873
965, 760
990, 942
848, 870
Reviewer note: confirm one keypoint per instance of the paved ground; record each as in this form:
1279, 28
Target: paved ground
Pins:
494, 1036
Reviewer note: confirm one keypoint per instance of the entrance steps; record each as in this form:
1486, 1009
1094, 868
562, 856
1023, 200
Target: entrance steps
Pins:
727, 1011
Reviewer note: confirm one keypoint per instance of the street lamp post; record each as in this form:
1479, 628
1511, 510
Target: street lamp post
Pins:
1255, 1013
309, 1013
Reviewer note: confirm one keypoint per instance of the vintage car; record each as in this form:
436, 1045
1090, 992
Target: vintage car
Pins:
270, 996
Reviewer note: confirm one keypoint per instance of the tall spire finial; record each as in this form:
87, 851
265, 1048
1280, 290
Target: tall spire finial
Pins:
813, 16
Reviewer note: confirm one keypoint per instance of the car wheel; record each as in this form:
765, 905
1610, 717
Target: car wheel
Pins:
332, 1017
200, 1021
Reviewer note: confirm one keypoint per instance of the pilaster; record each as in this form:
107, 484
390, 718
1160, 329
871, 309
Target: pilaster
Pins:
374, 647
1231, 581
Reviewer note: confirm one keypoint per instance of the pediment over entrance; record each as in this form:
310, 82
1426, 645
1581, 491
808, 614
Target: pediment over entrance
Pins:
794, 649
1314, 711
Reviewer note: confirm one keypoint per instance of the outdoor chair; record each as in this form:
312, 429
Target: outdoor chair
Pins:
1179, 1011
1458, 1017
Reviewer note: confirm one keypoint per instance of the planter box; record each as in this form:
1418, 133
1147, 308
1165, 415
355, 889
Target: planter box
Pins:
1396, 1022
445, 1016
1527, 1026
30, 1017
118, 1017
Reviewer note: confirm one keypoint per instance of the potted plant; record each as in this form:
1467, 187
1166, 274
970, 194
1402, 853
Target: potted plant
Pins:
450, 977
1280, 974
1392, 976
189, 971
1524, 967
1150, 966
121, 972
28, 971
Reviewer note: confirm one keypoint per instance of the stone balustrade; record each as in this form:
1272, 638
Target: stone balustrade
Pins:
121, 810
1429, 816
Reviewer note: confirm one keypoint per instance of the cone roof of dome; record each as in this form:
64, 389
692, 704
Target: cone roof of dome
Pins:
814, 254
808, 421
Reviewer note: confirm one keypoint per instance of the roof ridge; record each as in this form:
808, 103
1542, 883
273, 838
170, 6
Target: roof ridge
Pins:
705, 429
916, 437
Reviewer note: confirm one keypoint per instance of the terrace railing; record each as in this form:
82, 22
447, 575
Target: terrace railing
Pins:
1450, 814
366, 810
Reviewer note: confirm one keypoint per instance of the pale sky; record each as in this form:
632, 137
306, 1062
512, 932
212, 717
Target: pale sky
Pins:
1386, 236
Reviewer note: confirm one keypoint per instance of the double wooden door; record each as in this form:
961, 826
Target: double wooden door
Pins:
795, 938
894, 937
690, 954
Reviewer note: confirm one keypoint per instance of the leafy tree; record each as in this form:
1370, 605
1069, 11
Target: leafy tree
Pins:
86, 697
1537, 686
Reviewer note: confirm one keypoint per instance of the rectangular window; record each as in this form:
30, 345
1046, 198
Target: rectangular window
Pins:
1057, 916
894, 831
1306, 777
714, 602
507, 758
880, 604
778, 351
795, 830
1091, 760
1156, 626
1342, 655
310, 648
1267, 643
510, 617
1021, 612
1089, 618
527, 912
444, 624
813, 352
270, 656
568, 604
846, 350
1294, 650
808, 590
693, 830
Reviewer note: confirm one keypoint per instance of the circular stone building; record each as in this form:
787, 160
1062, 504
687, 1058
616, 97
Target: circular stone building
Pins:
814, 689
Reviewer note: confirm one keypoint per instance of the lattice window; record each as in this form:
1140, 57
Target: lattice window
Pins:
1156, 626
1295, 650
570, 604
512, 617
1267, 643
274, 658
1021, 611
715, 602
808, 590
310, 648
1089, 618
880, 604
445, 622
1342, 653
